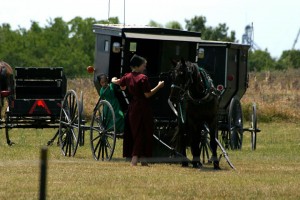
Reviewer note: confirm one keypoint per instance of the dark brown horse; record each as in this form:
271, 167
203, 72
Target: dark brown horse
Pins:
197, 103
6, 83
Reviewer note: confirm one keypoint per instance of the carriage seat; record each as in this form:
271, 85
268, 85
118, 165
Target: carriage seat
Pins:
5, 93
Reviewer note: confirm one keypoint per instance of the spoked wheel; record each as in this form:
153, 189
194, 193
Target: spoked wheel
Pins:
253, 128
69, 125
225, 139
205, 149
103, 131
223, 131
235, 119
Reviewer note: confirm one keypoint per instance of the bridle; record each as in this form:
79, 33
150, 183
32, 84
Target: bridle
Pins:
184, 89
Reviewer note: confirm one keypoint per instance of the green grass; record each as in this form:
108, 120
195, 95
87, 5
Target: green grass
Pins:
270, 172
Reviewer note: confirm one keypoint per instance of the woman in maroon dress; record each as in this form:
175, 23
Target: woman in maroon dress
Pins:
138, 133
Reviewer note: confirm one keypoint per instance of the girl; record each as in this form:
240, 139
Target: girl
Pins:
107, 93
138, 136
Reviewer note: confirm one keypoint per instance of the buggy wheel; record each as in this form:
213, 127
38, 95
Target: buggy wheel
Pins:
253, 128
103, 131
69, 125
225, 138
235, 119
204, 145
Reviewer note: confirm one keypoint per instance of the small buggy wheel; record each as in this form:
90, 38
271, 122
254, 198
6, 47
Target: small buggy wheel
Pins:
103, 131
69, 125
253, 129
235, 120
205, 149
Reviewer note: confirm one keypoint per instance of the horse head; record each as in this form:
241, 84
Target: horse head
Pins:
186, 79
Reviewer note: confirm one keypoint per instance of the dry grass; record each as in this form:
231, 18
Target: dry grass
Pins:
277, 95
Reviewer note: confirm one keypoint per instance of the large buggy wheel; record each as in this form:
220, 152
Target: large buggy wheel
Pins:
103, 131
235, 120
70, 124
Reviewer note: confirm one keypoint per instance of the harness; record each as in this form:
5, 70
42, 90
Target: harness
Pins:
206, 82
210, 91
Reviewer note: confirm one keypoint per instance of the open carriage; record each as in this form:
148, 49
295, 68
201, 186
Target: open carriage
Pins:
116, 44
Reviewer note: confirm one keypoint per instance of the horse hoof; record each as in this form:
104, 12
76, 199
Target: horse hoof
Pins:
184, 164
197, 165
216, 166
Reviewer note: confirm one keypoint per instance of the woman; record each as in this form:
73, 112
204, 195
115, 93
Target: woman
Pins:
138, 135
107, 92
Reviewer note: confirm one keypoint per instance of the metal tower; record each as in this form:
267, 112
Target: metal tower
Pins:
248, 36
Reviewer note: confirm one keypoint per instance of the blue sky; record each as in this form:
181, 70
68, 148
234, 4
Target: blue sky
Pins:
275, 23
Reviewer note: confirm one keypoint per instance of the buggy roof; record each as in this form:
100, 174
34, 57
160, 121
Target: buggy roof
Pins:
211, 43
146, 32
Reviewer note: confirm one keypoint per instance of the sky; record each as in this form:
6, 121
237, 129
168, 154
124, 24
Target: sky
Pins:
275, 23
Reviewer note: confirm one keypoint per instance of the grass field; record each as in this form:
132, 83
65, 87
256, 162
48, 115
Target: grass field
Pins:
270, 172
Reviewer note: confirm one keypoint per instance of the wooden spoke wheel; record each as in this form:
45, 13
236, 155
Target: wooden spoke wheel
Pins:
70, 124
235, 120
103, 131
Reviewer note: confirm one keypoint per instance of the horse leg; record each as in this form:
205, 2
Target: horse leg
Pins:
195, 149
184, 163
214, 146
179, 140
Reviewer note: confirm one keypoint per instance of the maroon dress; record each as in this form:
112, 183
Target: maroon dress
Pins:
138, 133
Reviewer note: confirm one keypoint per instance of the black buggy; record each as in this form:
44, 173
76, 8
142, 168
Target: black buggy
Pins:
116, 44
36, 99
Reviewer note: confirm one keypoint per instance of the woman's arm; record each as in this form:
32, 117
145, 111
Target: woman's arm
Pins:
155, 89
115, 80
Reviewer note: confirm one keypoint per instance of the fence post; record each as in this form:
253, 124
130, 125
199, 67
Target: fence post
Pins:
43, 175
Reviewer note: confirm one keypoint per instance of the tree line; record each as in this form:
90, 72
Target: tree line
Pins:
71, 44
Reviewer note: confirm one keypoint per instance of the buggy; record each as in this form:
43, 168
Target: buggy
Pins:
36, 99
116, 44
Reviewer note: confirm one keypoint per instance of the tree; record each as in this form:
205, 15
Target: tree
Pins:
260, 60
218, 33
174, 25
196, 24
155, 24
289, 59
12, 45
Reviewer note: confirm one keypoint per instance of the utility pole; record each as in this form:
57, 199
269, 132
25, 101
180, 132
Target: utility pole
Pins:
293, 47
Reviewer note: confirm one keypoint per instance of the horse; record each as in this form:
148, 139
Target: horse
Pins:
6, 83
197, 103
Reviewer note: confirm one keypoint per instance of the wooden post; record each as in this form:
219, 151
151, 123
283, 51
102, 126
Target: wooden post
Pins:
43, 177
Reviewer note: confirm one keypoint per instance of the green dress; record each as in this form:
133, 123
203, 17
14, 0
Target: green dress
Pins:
109, 95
